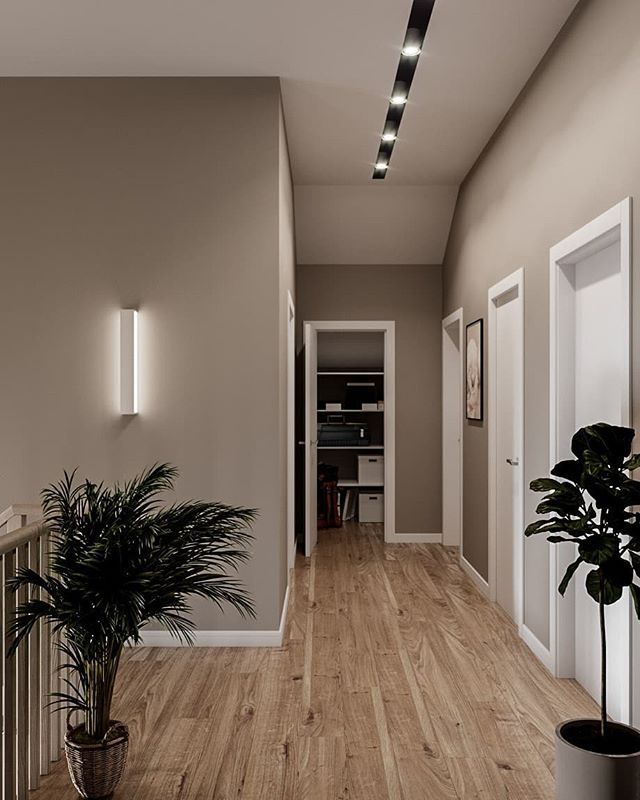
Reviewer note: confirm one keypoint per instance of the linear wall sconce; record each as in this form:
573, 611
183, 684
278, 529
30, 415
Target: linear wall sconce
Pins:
128, 361
419, 20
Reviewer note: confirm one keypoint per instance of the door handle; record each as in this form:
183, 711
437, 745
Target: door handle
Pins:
513, 462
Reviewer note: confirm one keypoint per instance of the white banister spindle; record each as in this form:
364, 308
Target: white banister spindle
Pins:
9, 687
45, 673
31, 737
22, 691
35, 692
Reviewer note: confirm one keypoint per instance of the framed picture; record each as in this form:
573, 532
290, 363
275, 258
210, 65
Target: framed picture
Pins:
474, 379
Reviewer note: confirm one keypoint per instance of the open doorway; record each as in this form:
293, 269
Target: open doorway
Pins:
349, 426
590, 381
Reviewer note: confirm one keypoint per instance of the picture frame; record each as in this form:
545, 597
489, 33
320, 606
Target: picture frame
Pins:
474, 370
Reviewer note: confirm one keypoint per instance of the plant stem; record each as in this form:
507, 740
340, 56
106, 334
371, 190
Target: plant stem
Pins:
603, 664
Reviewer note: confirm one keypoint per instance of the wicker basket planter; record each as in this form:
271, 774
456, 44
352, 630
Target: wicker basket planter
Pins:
96, 769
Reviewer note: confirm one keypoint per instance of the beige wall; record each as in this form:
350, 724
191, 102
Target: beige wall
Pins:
567, 152
162, 194
412, 296
287, 275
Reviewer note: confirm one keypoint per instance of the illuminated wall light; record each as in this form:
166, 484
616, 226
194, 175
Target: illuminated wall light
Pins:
128, 361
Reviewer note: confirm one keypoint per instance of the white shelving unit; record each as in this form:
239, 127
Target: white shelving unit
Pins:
351, 411
322, 373
352, 447
332, 387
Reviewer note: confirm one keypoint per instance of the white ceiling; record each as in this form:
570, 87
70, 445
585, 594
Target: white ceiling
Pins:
337, 60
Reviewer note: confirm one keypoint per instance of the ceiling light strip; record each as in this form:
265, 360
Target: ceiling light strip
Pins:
419, 20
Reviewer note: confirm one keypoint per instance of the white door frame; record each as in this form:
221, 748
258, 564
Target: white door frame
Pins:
291, 431
513, 283
388, 328
454, 319
614, 224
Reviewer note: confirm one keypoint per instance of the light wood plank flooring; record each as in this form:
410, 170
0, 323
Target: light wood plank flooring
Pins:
397, 681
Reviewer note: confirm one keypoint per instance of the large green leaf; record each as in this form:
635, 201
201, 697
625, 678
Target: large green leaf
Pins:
611, 594
564, 583
618, 571
632, 463
635, 562
544, 485
611, 442
598, 549
569, 470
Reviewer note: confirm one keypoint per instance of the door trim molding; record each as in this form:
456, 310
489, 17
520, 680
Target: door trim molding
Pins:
455, 318
513, 282
291, 433
593, 236
388, 327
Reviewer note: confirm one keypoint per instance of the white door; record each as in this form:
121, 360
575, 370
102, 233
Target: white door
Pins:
311, 437
452, 430
590, 382
508, 457
599, 382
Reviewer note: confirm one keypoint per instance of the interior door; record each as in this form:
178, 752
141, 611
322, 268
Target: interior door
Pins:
451, 436
599, 371
509, 459
311, 437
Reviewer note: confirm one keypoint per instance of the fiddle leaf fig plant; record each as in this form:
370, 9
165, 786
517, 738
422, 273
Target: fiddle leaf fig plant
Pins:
588, 502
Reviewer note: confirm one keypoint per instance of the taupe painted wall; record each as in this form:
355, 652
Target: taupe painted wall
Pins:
162, 194
412, 296
567, 152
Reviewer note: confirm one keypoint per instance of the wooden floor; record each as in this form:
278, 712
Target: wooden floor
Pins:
396, 680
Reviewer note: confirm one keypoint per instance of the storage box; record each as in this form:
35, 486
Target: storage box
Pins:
371, 470
369, 406
333, 406
371, 507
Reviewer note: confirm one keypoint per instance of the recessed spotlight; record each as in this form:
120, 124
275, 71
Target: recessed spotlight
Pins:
412, 46
382, 165
388, 137
399, 94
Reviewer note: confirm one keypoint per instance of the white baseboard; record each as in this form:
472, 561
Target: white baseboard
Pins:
534, 644
475, 576
415, 538
223, 638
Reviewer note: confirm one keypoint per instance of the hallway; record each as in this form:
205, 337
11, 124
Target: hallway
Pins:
398, 680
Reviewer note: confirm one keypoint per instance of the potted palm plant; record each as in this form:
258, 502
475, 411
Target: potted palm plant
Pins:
588, 504
119, 559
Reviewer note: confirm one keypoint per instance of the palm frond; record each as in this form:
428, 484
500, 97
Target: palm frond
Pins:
120, 560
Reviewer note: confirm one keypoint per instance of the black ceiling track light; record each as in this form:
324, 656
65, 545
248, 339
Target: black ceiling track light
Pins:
419, 19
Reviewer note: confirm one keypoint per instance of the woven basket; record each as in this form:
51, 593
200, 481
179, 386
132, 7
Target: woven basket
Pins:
96, 769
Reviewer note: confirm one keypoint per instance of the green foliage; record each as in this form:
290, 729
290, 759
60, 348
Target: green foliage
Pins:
587, 502
118, 561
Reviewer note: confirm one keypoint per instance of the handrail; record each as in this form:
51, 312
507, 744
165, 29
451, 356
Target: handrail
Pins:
30, 738
11, 541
